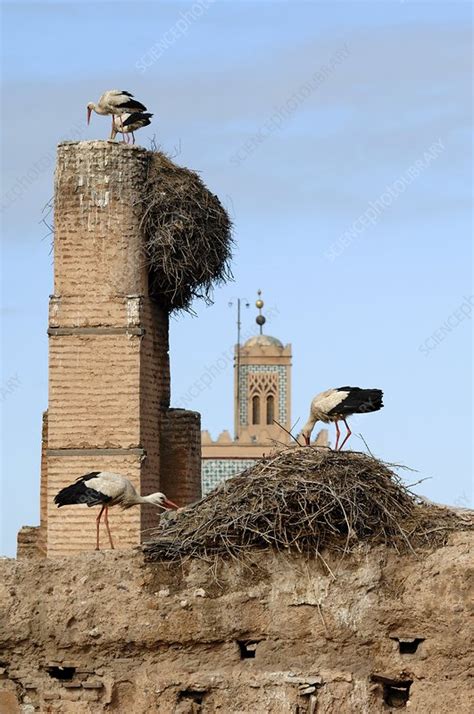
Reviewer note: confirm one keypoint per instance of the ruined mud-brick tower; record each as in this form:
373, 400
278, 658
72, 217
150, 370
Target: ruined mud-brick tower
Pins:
109, 377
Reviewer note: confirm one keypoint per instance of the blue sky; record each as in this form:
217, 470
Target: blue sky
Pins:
365, 317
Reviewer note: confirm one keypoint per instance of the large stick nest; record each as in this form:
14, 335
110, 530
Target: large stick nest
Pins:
187, 234
306, 500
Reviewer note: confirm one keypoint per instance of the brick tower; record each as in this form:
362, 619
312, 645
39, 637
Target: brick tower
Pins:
109, 378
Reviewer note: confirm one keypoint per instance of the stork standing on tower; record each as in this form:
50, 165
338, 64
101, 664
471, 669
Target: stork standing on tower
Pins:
106, 489
115, 101
127, 124
335, 405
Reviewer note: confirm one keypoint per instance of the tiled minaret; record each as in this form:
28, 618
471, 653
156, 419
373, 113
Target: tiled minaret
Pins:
262, 387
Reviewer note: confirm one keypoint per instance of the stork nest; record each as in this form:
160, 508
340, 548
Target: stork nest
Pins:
187, 235
305, 500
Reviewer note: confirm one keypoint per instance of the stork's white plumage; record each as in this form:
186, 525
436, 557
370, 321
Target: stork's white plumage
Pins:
107, 489
126, 124
115, 101
336, 405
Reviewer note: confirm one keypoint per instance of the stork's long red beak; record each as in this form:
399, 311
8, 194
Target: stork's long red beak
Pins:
89, 112
169, 504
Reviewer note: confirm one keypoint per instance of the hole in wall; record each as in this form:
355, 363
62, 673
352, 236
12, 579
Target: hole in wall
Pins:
396, 692
408, 645
248, 648
61, 672
192, 694
395, 696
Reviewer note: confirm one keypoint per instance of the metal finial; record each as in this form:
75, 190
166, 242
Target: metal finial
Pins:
260, 319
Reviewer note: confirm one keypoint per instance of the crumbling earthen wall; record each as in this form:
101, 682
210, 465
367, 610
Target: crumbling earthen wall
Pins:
109, 377
372, 632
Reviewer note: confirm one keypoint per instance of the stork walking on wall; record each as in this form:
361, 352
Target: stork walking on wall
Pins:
335, 405
115, 102
106, 489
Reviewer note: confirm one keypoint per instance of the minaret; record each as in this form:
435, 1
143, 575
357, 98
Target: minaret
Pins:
262, 396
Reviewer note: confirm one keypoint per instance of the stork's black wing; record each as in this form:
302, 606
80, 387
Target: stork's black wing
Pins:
132, 104
88, 476
138, 116
79, 492
358, 401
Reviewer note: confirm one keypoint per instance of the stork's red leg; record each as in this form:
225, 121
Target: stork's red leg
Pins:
97, 520
349, 432
106, 519
133, 135
338, 434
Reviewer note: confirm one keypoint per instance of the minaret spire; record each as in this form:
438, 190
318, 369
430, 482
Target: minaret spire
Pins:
260, 319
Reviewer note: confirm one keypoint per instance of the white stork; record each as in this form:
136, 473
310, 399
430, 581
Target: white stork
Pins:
107, 489
338, 404
126, 124
115, 101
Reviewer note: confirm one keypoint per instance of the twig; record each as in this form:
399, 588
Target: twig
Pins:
322, 616
366, 445
286, 430
415, 483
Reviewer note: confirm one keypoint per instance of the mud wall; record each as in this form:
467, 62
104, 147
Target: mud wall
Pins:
107, 632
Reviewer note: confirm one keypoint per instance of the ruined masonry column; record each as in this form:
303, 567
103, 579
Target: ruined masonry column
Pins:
108, 343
